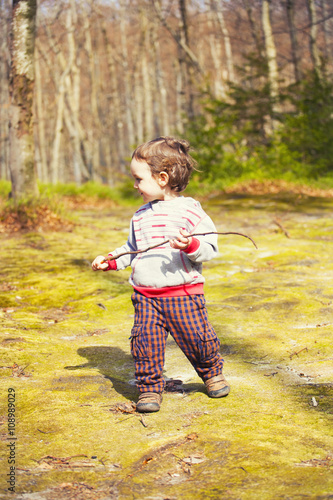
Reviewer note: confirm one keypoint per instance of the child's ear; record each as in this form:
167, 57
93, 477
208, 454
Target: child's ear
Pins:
163, 179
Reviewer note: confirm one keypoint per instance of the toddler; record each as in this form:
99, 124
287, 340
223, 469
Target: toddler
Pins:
167, 280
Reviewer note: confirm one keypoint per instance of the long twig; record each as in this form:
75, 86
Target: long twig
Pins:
279, 225
114, 257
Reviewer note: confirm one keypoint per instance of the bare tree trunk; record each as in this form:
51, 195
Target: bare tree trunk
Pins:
328, 30
21, 137
146, 78
216, 50
117, 146
138, 95
254, 27
42, 168
179, 97
95, 121
73, 91
226, 38
273, 73
5, 11
188, 76
163, 127
127, 93
290, 4
314, 52
325, 17
58, 132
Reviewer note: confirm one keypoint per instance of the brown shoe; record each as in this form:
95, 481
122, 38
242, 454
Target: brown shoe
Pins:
217, 387
149, 402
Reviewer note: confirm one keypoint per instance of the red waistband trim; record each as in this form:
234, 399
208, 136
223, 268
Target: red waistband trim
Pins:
171, 291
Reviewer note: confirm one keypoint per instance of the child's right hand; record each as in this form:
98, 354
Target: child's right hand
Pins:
99, 264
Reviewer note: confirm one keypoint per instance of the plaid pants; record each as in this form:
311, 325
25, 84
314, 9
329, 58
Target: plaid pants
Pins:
185, 318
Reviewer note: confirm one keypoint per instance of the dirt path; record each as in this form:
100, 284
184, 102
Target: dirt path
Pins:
66, 359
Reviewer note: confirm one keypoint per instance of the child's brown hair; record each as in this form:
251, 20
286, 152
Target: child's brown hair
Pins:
170, 155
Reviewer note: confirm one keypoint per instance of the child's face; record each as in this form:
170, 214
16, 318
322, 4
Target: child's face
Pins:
149, 187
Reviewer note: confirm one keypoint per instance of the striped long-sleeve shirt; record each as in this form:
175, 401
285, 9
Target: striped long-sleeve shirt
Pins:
164, 270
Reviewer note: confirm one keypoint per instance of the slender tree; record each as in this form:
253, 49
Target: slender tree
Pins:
254, 27
226, 37
290, 5
215, 46
273, 72
94, 132
161, 104
314, 52
21, 137
5, 10
146, 75
128, 111
115, 120
325, 16
40, 108
185, 63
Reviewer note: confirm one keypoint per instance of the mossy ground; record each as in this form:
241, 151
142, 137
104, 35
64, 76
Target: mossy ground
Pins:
65, 351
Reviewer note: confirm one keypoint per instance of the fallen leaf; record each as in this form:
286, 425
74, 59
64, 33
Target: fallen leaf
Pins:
192, 436
194, 459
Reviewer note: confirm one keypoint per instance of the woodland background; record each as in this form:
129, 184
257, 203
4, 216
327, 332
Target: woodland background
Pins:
248, 82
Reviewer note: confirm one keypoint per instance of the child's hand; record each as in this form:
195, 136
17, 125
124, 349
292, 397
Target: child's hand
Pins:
99, 264
182, 242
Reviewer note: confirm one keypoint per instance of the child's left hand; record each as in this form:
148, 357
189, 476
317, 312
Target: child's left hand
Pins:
182, 242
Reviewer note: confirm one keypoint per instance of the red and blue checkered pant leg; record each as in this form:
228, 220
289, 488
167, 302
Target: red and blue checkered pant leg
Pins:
186, 319
148, 339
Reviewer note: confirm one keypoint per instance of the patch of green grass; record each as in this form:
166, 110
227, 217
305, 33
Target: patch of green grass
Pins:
122, 193
5, 188
68, 329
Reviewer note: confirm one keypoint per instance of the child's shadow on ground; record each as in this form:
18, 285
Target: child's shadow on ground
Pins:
113, 363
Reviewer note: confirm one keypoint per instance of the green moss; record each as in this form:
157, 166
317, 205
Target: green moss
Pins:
272, 310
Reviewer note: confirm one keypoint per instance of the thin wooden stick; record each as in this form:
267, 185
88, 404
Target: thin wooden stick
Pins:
114, 257
279, 225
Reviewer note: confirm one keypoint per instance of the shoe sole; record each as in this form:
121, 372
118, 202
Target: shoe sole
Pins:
221, 393
147, 407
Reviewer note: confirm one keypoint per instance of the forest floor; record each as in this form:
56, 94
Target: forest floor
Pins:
66, 358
